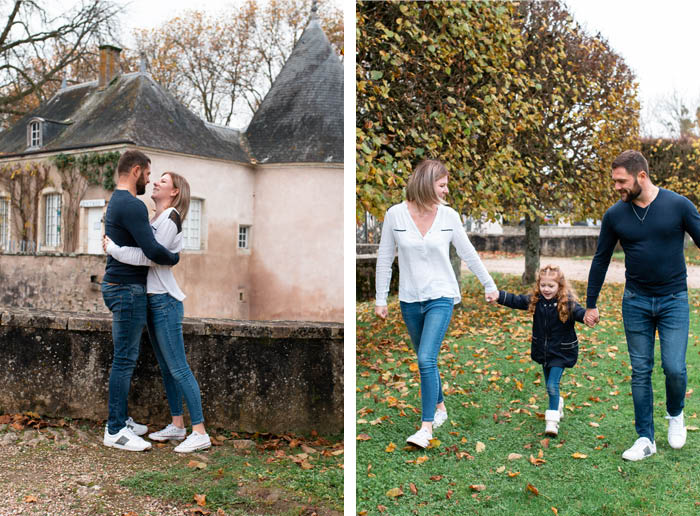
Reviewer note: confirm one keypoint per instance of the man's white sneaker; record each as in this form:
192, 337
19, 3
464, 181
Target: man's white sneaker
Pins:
194, 442
421, 438
440, 418
135, 427
167, 433
641, 449
125, 439
676, 431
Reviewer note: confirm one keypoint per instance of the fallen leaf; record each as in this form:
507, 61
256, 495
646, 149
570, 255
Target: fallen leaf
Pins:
394, 492
413, 367
196, 464
477, 487
480, 447
30, 499
363, 437
390, 448
220, 512
691, 428
434, 443
532, 489
514, 456
512, 474
380, 508
306, 465
449, 493
554, 510
421, 460
200, 499
536, 462
593, 424
578, 455
308, 449
413, 488
501, 469
435, 478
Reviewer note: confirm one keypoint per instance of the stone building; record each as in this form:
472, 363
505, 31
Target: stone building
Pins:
263, 237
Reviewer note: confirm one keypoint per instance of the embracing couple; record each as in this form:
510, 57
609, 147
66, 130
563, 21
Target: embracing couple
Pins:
140, 290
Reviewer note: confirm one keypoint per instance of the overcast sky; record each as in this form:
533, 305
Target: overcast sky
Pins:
659, 40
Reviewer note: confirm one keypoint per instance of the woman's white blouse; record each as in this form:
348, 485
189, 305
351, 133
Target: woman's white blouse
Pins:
425, 271
160, 279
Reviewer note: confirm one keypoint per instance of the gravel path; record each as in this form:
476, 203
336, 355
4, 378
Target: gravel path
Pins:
574, 269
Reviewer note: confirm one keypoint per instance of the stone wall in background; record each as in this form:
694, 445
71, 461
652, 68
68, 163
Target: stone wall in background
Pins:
254, 376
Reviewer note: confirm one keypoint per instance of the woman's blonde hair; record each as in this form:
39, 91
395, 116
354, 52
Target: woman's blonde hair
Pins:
421, 185
565, 296
181, 202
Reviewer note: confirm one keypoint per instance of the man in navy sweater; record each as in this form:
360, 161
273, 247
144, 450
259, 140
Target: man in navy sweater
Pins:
650, 223
124, 293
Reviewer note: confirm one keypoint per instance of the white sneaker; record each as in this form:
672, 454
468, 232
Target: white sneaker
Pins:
194, 442
135, 427
167, 433
676, 431
421, 438
125, 439
551, 418
641, 449
561, 408
440, 418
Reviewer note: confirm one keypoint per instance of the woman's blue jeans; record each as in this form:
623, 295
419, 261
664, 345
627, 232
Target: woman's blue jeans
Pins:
127, 302
552, 378
165, 315
643, 316
427, 322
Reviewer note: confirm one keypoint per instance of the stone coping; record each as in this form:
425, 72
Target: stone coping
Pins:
102, 322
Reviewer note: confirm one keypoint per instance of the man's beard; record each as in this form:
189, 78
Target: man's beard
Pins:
141, 185
634, 192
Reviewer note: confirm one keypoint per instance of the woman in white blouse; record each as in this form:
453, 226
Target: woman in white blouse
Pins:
422, 228
171, 194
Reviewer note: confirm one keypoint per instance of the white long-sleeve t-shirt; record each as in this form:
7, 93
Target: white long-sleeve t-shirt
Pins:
168, 233
425, 271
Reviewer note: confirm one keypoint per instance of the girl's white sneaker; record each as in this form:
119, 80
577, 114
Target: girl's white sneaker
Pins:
194, 442
421, 438
551, 418
167, 433
440, 418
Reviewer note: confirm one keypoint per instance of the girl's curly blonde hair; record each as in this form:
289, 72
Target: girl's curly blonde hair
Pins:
565, 295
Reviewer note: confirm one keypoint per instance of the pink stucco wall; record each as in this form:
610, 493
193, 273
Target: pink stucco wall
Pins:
297, 256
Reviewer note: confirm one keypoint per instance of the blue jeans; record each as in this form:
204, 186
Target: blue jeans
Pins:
127, 302
642, 316
427, 322
552, 378
165, 315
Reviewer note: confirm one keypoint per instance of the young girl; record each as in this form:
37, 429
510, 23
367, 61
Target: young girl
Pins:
554, 342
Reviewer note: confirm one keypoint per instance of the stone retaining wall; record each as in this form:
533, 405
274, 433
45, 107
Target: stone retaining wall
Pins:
254, 376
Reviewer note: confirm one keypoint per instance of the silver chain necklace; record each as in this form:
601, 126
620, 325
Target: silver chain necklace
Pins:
641, 219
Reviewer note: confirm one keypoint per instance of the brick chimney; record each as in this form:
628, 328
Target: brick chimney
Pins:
109, 65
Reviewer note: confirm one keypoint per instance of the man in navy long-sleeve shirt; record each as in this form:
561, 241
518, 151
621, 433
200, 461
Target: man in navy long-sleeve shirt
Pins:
124, 293
650, 223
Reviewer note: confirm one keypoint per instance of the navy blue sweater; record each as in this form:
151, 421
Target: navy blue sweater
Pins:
126, 223
654, 259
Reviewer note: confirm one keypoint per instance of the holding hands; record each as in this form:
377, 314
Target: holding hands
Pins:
381, 311
492, 297
592, 317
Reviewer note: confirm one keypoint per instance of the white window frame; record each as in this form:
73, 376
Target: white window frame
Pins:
52, 219
192, 226
5, 210
34, 136
244, 232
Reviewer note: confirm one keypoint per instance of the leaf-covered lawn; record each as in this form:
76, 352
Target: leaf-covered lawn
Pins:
492, 457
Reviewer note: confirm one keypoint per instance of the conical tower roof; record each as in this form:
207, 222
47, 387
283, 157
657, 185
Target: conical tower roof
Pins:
301, 117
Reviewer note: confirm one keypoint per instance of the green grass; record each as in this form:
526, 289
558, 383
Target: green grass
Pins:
239, 481
485, 363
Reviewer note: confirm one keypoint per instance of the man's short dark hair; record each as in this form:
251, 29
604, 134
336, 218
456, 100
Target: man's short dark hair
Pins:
130, 159
632, 161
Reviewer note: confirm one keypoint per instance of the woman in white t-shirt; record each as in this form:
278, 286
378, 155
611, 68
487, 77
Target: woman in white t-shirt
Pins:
171, 194
422, 228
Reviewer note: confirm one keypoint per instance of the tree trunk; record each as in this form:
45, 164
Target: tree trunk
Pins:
532, 250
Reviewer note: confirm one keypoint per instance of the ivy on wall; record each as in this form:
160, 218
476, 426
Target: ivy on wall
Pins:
96, 168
